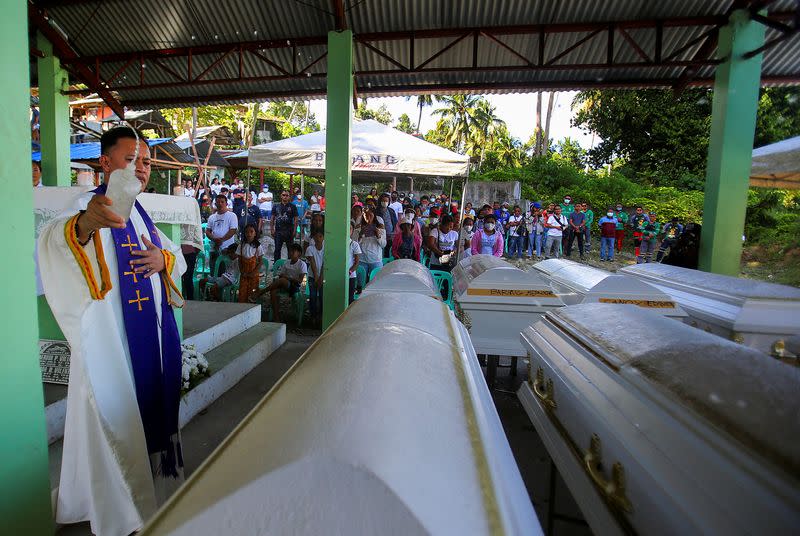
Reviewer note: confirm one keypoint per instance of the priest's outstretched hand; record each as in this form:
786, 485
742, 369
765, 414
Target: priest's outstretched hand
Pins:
150, 260
97, 216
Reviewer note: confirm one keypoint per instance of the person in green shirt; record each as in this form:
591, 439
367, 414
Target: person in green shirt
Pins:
567, 208
589, 220
622, 222
650, 232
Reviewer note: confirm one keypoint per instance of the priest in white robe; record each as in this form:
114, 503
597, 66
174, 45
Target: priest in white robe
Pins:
111, 285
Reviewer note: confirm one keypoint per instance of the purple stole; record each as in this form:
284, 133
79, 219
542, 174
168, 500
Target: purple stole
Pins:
156, 369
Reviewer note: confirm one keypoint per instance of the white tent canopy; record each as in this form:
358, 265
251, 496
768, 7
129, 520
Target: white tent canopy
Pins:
376, 149
777, 165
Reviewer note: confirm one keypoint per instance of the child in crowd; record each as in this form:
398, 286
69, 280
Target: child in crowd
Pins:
407, 242
249, 253
290, 277
230, 277
353, 253
314, 255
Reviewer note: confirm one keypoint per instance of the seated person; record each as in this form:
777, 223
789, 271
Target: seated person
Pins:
249, 256
230, 277
290, 277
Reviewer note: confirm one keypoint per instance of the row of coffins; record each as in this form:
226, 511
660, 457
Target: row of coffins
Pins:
383, 426
656, 427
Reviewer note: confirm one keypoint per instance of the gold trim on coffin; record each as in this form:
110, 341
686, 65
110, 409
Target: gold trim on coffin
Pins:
510, 293
652, 304
612, 490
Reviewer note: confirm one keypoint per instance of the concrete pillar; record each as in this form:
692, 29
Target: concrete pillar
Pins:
24, 473
733, 123
337, 174
53, 116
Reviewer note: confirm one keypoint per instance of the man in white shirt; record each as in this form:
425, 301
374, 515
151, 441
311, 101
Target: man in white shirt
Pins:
555, 225
221, 229
396, 205
515, 222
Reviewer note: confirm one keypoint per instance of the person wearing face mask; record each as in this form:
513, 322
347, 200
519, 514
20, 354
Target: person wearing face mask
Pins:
622, 222
389, 217
534, 224
442, 243
608, 230
488, 241
408, 241
372, 240
465, 236
303, 213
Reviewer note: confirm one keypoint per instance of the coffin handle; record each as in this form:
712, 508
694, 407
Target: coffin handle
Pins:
544, 390
613, 490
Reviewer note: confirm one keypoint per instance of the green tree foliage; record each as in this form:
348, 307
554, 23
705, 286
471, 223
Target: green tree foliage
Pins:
404, 124
663, 137
778, 115
571, 151
295, 118
381, 114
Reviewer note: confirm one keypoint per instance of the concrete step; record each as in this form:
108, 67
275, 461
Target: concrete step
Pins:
229, 363
210, 324
207, 325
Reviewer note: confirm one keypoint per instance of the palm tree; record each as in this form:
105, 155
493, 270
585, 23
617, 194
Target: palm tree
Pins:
509, 151
458, 117
486, 126
422, 102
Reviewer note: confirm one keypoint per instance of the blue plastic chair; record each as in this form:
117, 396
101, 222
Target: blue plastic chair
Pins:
361, 275
374, 272
440, 278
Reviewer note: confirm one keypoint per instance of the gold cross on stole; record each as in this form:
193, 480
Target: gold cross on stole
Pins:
133, 274
130, 245
138, 301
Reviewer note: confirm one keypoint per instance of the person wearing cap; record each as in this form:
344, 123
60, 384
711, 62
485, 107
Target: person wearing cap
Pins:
649, 239
407, 243
672, 231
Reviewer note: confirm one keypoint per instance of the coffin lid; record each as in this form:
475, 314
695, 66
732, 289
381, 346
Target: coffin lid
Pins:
550, 266
480, 272
732, 288
404, 275
735, 389
365, 436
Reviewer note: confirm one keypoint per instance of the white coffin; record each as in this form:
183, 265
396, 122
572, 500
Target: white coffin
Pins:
547, 268
694, 434
365, 435
754, 313
579, 283
501, 300
403, 276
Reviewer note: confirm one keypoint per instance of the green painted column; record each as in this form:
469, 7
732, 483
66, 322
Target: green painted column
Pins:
733, 123
173, 232
24, 473
53, 116
337, 174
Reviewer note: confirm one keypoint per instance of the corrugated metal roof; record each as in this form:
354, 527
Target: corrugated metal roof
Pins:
506, 60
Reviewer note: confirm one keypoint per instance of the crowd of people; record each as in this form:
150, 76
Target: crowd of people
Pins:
432, 229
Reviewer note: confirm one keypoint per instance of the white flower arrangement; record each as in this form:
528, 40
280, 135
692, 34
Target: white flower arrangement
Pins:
194, 367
